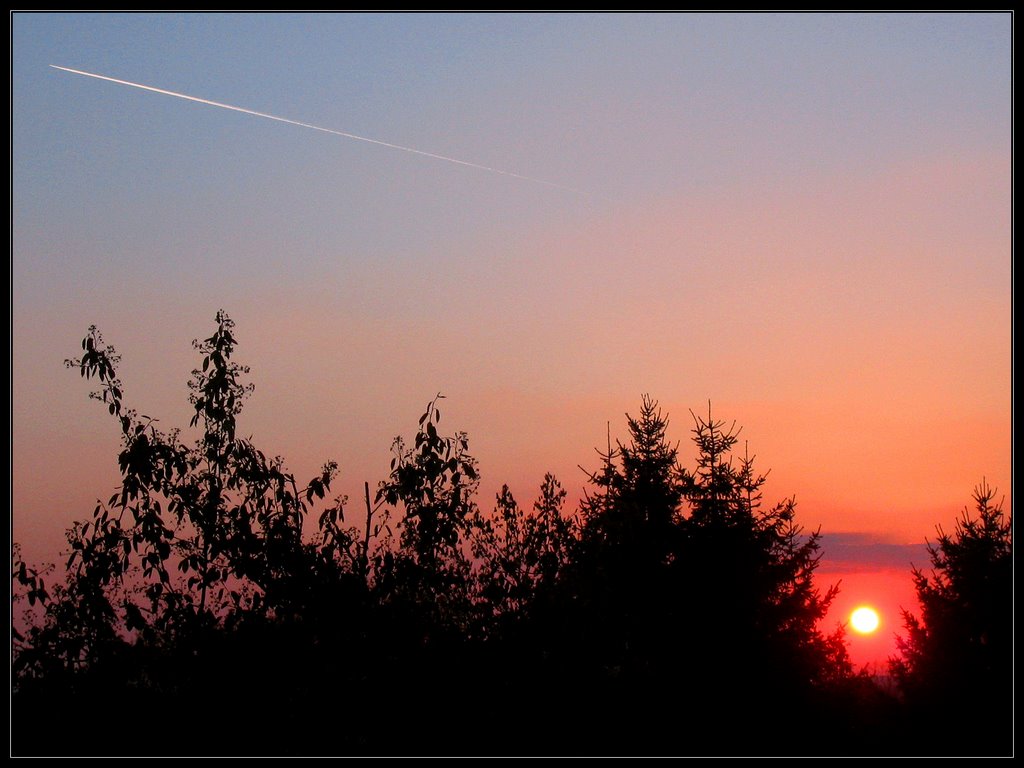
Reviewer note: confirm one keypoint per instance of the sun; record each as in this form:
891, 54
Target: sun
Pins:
864, 620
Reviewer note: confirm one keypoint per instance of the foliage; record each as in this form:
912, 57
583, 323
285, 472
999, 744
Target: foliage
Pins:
521, 556
198, 593
426, 578
756, 566
671, 548
956, 659
195, 536
638, 490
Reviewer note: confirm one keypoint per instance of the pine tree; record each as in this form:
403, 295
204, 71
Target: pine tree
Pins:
750, 576
956, 660
638, 495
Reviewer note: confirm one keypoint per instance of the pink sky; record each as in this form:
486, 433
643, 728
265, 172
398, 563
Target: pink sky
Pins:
805, 219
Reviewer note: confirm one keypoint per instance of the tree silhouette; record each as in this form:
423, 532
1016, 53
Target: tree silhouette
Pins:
686, 581
756, 566
520, 556
638, 488
956, 661
630, 532
432, 484
676, 605
747, 571
175, 581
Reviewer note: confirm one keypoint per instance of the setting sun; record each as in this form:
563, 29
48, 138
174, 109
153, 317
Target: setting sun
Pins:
864, 620
713, 379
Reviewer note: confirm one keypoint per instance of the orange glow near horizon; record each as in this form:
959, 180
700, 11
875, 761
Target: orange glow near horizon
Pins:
839, 287
888, 591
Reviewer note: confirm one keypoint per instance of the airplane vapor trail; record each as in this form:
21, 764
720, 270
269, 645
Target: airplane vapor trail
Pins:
324, 130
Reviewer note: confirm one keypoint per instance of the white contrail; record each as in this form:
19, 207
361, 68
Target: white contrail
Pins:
319, 128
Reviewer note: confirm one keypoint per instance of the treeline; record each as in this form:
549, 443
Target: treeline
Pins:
672, 613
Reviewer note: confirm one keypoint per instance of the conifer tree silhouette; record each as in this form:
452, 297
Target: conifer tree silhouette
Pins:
956, 661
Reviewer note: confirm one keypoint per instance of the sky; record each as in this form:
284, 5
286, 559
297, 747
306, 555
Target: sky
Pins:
801, 219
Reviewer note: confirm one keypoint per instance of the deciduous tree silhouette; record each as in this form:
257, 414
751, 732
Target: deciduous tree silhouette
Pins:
520, 556
431, 486
173, 583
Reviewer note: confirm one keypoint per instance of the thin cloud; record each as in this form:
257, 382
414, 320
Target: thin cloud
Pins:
855, 551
